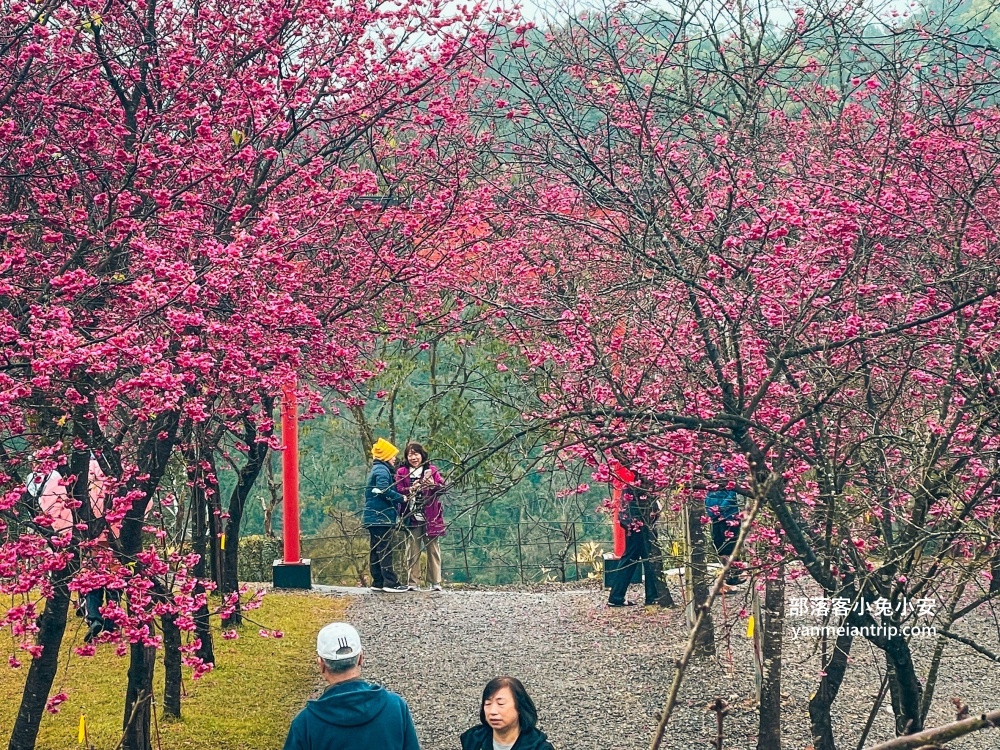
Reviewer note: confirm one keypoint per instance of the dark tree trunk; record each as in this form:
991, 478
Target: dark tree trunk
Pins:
171, 667
212, 511
230, 573
214, 540
199, 545
42, 672
769, 734
904, 685
202, 629
256, 458
199, 531
154, 453
52, 621
705, 643
153, 456
269, 521
822, 701
139, 699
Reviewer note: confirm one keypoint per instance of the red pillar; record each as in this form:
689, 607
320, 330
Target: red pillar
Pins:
290, 473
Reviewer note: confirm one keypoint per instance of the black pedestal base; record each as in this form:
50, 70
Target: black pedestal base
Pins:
292, 575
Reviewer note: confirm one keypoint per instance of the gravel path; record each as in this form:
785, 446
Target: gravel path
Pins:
598, 676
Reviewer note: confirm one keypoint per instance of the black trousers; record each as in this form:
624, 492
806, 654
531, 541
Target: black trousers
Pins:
637, 549
380, 557
724, 533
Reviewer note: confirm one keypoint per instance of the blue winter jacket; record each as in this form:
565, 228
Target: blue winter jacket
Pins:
722, 505
353, 714
381, 497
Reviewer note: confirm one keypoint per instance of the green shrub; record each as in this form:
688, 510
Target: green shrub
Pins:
257, 556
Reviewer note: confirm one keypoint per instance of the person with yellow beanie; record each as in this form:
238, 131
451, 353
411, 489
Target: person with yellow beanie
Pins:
383, 450
382, 502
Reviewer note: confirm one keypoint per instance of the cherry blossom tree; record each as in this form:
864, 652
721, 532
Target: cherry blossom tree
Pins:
182, 233
767, 241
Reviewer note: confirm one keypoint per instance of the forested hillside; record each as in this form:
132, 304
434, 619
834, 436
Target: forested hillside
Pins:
449, 395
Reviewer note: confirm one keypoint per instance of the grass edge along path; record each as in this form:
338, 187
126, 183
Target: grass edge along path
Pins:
246, 703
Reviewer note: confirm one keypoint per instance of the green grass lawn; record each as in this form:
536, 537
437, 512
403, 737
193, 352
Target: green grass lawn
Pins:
246, 703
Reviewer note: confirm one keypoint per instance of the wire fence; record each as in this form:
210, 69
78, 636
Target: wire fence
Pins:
528, 550
522, 551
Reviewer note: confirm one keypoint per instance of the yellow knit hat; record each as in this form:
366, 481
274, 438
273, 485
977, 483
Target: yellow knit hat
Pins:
383, 450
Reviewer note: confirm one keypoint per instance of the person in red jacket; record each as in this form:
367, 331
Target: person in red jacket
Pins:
639, 512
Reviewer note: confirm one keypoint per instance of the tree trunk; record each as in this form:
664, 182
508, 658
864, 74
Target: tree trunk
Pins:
698, 570
932, 674
139, 699
769, 733
199, 542
42, 672
822, 700
256, 458
905, 686
52, 621
202, 629
213, 505
947, 619
152, 462
199, 545
171, 667
230, 573
269, 521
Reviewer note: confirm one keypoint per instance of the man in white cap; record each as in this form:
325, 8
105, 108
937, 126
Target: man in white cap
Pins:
352, 714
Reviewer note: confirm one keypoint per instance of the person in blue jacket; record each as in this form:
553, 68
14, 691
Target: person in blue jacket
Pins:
723, 510
382, 502
351, 713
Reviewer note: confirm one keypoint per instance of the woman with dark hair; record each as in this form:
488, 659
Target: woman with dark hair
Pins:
421, 485
507, 717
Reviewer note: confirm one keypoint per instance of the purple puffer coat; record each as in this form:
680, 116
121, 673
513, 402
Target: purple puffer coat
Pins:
432, 498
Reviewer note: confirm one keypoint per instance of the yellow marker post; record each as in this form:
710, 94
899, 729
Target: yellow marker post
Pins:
222, 542
82, 734
750, 627
677, 549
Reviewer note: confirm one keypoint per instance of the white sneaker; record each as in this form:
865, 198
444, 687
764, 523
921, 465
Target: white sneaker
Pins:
436, 587
376, 588
411, 587
396, 589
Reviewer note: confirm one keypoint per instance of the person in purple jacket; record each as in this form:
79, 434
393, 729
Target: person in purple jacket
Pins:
421, 484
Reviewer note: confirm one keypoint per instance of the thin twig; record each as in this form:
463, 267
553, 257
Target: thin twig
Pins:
943, 733
140, 699
971, 644
874, 712
682, 663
